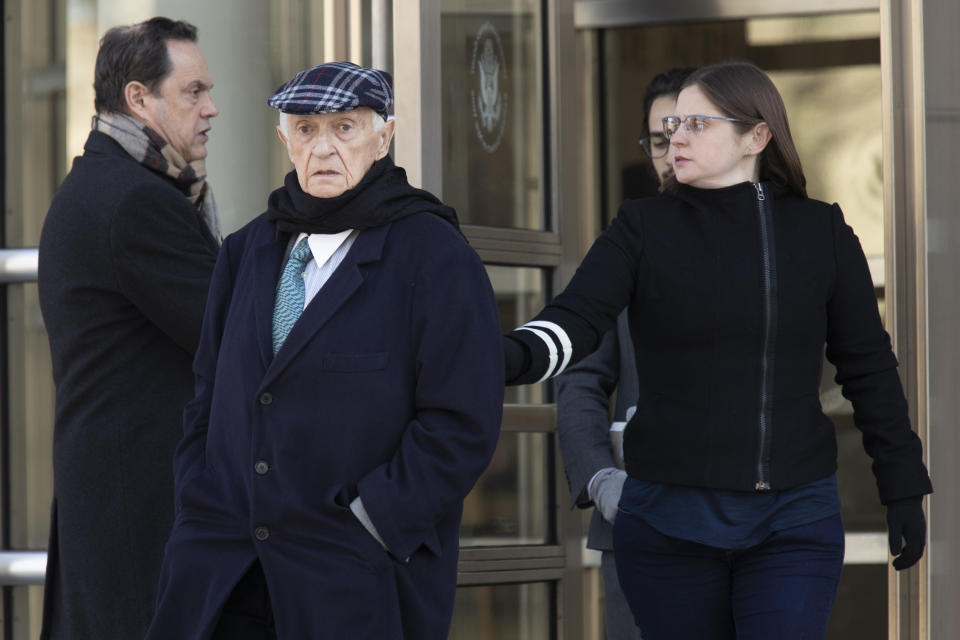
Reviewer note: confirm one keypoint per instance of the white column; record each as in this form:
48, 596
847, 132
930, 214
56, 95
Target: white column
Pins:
416, 81
379, 24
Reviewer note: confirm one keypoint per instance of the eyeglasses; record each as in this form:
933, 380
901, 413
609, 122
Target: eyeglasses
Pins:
691, 124
655, 145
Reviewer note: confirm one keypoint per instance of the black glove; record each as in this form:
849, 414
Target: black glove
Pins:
906, 522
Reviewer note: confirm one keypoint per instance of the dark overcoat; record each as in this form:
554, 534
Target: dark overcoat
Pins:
125, 262
389, 387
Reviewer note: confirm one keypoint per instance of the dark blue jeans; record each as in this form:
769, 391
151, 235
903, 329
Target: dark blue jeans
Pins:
782, 588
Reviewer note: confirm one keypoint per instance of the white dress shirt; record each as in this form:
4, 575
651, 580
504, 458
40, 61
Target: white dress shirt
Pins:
329, 250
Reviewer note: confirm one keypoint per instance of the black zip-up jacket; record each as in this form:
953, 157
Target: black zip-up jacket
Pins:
732, 295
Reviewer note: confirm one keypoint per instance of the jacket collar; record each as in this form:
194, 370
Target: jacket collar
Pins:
343, 283
98, 142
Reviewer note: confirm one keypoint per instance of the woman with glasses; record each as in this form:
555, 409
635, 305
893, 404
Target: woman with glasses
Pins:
735, 281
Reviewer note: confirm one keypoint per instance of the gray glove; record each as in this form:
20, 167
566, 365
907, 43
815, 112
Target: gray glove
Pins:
604, 490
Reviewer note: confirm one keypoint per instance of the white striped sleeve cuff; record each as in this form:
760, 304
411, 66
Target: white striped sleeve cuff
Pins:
557, 342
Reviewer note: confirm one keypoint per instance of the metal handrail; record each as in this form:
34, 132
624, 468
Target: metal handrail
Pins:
18, 265
22, 568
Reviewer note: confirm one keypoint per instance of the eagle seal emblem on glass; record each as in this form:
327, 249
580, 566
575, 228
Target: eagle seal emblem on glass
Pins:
488, 101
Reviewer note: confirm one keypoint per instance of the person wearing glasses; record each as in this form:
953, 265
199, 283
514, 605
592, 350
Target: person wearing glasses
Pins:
592, 459
735, 281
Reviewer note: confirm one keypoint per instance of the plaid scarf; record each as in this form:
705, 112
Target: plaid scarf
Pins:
148, 147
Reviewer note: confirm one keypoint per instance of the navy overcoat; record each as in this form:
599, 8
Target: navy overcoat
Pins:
390, 387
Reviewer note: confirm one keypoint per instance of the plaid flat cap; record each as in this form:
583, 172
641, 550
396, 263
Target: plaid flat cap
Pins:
335, 86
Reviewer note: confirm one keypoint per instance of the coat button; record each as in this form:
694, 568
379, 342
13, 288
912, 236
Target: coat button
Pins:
262, 533
266, 398
261, 467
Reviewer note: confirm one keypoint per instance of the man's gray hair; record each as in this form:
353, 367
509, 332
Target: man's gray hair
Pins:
378, 122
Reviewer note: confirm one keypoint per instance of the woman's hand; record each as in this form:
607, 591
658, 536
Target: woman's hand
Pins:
906, 524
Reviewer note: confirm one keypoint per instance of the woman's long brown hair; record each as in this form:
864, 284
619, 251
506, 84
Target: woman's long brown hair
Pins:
741, 90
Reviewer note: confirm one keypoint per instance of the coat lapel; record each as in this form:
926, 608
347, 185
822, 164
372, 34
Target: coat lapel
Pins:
268, 259
341, 286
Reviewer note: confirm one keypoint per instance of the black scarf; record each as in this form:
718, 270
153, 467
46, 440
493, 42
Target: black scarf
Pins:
382, 196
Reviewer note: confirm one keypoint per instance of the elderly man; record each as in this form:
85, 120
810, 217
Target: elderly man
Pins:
126, 255
349, 389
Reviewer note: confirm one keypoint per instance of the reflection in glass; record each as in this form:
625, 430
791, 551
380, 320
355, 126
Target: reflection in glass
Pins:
504, 612
492, 112
510, 503
837, 124
520, 293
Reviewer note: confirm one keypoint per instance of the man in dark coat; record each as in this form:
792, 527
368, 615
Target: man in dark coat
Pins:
320, 481
126, 255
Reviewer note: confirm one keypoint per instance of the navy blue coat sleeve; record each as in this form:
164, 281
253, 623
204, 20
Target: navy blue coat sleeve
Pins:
860, 348
459, 402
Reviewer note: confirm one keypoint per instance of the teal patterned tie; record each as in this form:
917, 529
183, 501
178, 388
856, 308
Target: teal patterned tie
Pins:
290, 294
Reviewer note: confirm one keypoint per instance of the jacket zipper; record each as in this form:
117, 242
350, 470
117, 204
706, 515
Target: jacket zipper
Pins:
769, 285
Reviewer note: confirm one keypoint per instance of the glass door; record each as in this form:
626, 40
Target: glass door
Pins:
481, 99
492, 132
